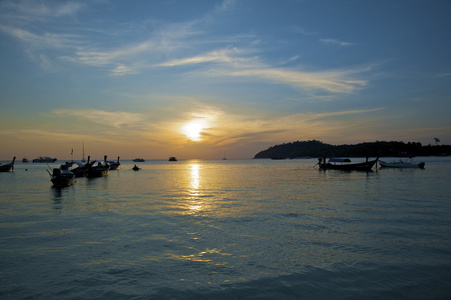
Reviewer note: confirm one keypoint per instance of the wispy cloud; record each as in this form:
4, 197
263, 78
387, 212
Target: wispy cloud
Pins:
229, 56
335, 42
31, 11
114, 119
43, 41
303, 31
334, 81
226, 5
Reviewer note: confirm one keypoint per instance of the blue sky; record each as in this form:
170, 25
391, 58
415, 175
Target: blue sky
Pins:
195, 79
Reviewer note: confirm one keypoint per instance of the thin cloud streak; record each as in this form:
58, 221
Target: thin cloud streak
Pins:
114, 119
32, 11
335, 42
331, 81
334, 82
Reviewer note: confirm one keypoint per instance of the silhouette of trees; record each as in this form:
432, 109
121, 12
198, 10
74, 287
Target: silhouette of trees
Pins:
314, 148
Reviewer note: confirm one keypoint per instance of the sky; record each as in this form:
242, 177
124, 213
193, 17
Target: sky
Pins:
212, 78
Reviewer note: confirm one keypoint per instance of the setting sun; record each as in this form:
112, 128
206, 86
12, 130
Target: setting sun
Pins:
193, 129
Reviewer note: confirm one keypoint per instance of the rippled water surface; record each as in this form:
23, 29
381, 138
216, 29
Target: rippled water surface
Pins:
229, 230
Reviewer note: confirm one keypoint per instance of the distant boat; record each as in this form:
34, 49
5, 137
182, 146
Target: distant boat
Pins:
402, 164
138, 160
114, 164
172, 158
136, 168
8, 167
61, 178
345, 164
25, 160
46, 159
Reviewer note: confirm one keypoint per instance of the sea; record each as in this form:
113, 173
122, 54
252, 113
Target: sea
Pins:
227, 229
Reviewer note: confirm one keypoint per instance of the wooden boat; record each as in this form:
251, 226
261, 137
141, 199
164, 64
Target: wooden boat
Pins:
61, 178
345, 164
8, 167
99, 170
67, 165
402, 164
136, 168
114, 165
82, 169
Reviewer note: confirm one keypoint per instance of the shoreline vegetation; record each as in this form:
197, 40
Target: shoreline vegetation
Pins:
314, 149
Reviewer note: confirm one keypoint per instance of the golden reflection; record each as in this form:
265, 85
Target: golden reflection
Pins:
195, 178
195, 203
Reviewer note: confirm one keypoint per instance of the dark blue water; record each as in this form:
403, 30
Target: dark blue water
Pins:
249, 229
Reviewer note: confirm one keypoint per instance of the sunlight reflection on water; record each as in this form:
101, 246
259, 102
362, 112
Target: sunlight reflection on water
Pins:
214, 225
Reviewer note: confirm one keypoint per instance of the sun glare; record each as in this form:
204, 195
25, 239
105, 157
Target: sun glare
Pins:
193, 129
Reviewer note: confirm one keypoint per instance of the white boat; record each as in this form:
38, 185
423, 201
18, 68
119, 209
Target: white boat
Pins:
402, 164
46, 159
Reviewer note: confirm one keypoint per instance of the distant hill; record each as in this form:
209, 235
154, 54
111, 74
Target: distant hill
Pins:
382, 149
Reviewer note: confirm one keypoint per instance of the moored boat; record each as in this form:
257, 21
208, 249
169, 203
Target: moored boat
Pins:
61, 178
99, 170
114, 165
82, 169
25, 160
404, 164
45, 159
7, 167
345, 164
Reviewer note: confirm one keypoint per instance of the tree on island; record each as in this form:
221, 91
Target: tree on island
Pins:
314, 148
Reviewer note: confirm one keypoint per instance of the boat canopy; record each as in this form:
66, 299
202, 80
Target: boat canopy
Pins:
341, 160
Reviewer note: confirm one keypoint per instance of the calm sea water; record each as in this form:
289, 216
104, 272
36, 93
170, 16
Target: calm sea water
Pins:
234, 229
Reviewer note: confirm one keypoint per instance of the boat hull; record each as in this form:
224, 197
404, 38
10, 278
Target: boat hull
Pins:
8, 167
364, 166
97, 172
62, 178
402, 165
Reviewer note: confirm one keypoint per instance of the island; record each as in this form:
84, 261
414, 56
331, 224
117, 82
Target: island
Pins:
314, 149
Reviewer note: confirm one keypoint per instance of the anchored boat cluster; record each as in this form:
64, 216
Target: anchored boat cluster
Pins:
65, 175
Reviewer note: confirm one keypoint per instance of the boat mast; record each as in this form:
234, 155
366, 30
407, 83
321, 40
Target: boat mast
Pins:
83, 152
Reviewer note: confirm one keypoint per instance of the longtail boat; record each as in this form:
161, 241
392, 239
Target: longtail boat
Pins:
345, 164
